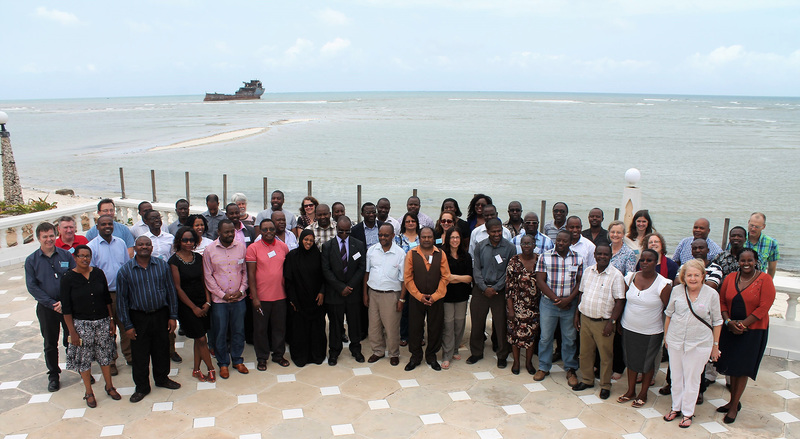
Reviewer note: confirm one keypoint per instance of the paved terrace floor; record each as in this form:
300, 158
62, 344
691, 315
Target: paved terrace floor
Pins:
356, 400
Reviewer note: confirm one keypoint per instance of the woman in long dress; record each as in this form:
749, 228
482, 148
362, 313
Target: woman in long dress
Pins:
522, 305
302, 273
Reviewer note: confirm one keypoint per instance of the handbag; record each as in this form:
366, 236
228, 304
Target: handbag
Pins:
686, 292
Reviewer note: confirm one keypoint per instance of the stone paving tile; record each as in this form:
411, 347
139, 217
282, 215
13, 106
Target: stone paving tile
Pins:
374, 405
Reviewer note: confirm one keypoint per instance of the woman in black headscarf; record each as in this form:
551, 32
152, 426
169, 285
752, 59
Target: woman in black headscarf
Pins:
302, 274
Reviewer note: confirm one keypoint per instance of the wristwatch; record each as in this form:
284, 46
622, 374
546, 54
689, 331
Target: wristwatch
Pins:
401, 300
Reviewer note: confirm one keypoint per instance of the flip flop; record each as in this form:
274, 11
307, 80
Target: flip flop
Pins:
623, 399
686, 422
639, 403
671, 415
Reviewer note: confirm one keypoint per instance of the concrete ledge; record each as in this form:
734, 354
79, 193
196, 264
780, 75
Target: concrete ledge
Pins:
783, 339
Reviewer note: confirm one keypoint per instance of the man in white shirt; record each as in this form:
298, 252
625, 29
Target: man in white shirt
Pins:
383, 207
601, 299
384, 295
276, 204
139, 228
162, 241
578, 243
480, 233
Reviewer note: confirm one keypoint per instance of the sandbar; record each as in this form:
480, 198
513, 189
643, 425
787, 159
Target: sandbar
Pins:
214, 138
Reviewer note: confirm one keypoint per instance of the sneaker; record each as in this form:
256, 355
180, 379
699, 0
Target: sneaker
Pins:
540, 374
572, 378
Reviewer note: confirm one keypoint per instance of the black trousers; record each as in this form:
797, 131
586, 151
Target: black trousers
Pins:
336, 315
269, 330
50, 323
152, 343
417, 312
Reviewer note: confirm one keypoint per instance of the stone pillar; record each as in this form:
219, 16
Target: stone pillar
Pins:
12, 192
631, 196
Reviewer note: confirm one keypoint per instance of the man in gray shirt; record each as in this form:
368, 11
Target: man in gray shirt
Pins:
489, 272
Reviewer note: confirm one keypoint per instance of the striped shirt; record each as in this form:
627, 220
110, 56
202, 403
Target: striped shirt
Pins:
542, 244
562, 273
600, 289
145, 289
683, 252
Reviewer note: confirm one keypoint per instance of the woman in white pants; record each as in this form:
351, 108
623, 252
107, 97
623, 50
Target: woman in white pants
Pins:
692, 330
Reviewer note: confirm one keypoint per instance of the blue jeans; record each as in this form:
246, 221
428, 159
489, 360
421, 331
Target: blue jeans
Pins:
223, 315
549, 317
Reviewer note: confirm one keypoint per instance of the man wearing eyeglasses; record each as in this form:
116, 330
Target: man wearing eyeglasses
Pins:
531, 227
343, 266
559, 221
514, 223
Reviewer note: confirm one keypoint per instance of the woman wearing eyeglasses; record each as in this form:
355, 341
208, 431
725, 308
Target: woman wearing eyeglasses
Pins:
194, 304
308, 208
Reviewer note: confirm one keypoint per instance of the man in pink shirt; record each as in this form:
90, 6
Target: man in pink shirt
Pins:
226, 278
265, 275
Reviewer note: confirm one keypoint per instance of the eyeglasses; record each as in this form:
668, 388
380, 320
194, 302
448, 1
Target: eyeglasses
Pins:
515, 210
306, 206
346, 232
446, 221
84, 256
187, 239
531, 222
385, 235
268, 229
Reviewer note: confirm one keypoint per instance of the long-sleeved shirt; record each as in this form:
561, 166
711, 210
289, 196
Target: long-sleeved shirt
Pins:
444, 277
224, 269
480, 234
490, 262
109, 257
685, 330
43, 275
683, 252
145, 289
213, 223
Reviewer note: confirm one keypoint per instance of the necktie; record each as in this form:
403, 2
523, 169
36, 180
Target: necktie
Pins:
343, 252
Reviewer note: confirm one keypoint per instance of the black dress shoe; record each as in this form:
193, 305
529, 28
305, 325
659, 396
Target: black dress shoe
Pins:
605, 393
137, 396
728, 420
332, 361
474, 359
582, 386
723, 409
411, 365
169, 384
394, 361
530, 368
53, 385
359, 357
502, 363
435, 365
515, 370
175, 357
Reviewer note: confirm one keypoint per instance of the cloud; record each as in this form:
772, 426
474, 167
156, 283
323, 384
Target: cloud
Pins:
300, 47
333, 18
735, 58
332, 48
65, 18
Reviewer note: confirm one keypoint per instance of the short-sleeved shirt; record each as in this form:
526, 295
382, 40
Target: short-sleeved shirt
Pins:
291, 220
767, 249
683, 252
269, 258
599, 291
79, 240
562, 273
120, 231
109, 257
385, 268
85, 299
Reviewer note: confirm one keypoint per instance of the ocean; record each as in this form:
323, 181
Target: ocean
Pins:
711, 156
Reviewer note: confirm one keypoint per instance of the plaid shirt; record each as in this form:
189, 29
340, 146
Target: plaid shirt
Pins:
561, 272
321, 236
600, 289
767, 249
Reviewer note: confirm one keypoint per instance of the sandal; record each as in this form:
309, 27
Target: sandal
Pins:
285, 363
199, 375
672, 415
457, 357
623, 399
638, 403
112, 392
262, 365
686, 422
445, 365
211, 376
90, 400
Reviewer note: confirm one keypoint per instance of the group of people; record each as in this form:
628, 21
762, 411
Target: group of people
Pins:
230, 278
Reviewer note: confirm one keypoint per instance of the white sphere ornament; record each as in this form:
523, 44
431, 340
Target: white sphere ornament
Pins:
3, 118
632, 176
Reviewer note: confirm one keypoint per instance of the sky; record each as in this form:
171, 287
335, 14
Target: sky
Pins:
80, 48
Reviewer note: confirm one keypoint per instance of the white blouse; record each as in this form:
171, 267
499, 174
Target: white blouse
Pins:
643, 309
684, 329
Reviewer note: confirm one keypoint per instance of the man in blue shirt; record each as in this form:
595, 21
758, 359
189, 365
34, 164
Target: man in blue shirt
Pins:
106, 207
43, 271
147, 306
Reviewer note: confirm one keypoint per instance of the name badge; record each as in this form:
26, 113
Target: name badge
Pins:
240, 261
246, 239
272, 254
356, 256
430, 259
64, 264
71, 250
498, 258
572, 268
439, 241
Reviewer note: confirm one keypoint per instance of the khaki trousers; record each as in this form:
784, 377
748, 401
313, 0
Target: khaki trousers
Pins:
124, 341
591, 338
383, 316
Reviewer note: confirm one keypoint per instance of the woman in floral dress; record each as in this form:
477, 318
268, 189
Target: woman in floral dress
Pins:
523, 304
